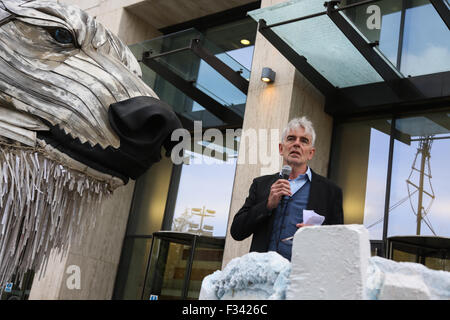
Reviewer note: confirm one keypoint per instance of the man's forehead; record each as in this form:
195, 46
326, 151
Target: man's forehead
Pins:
300, 131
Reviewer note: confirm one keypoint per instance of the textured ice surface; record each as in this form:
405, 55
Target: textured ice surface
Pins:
252, 276
437, 282
266, 276
329, 262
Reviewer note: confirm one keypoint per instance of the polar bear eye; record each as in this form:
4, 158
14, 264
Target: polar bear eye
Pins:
62, 35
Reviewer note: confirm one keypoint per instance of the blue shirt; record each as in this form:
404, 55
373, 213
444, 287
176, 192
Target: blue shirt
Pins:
298, 182
289, 213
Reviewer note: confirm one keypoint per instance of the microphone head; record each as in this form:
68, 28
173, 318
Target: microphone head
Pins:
286, 171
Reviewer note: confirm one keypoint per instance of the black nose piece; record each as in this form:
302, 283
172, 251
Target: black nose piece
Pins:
144, 124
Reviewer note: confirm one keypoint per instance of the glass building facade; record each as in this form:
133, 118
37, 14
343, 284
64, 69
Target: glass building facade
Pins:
390, 163
197, 199
414, 150
410, 34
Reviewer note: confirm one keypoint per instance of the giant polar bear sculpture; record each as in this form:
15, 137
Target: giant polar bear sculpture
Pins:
76, 121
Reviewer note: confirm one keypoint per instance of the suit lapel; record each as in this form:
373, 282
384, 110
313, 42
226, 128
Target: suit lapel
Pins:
269, 183
314, 198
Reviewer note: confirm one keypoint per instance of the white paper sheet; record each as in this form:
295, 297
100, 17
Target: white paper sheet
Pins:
311, 217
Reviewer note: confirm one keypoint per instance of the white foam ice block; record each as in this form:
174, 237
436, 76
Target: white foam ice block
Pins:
403, 287
208, 291
329, 262
253, 276
387, 279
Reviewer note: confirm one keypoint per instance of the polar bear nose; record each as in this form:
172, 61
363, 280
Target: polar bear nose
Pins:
144, 124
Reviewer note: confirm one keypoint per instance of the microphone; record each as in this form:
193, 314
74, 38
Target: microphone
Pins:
285, 173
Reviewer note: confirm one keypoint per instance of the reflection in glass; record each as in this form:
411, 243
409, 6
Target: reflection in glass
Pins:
420, 187
359, 166
380, 22
171, 275
130, 279
223, 42
320, 41
426, 44
206, 261
204, 195
376, 182
411, 34
420, 181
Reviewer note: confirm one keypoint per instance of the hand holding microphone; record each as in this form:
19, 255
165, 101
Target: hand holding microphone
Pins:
280, 189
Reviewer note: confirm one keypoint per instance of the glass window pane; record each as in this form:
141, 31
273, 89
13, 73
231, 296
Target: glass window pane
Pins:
147, 210
206, 261
437, 263
320, 41
420, 186
171, 254
359, 166
204, 195
133, 265
426, 42
398, 255
167, 269
225, 43
380, 22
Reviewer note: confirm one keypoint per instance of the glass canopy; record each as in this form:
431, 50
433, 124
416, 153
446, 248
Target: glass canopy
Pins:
321, 42
174, 53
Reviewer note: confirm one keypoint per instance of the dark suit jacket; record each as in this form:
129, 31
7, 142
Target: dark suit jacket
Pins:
325, 198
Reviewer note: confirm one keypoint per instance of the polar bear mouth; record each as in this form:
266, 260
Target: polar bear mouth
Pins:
95, 157
143, 124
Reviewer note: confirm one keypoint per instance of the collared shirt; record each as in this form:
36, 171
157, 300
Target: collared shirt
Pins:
298, 182
289, 214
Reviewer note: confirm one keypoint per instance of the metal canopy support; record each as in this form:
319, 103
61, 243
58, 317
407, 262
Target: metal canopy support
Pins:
401, 87
379, 98
443, 10
217, 109
299, 62
233, 76
228, 73
366, 49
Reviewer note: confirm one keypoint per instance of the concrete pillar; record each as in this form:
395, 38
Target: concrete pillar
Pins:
271, 106
96, 257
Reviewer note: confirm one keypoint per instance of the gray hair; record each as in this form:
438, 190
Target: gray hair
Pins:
303, 122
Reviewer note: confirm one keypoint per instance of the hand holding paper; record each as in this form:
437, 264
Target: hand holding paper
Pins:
310, 217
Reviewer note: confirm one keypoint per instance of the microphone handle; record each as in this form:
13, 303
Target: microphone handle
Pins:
284, 199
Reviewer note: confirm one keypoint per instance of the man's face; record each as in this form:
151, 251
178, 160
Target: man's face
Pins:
296, 149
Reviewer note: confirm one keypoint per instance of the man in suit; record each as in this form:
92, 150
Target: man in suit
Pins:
271, 220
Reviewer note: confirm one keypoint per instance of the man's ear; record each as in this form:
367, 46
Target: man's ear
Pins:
312, 152
280, 148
